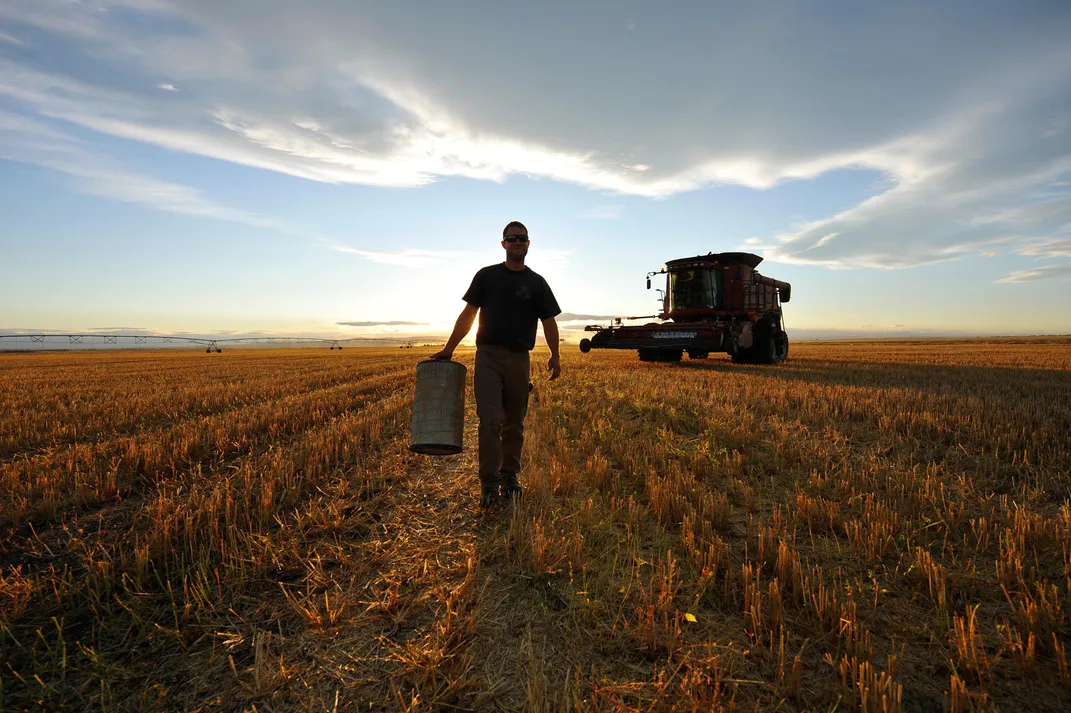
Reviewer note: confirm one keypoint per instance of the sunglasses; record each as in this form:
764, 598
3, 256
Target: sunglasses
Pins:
516, 238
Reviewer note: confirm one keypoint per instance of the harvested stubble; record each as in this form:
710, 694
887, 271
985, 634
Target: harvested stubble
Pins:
870, 526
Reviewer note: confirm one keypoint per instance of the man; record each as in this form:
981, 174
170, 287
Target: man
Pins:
510, 299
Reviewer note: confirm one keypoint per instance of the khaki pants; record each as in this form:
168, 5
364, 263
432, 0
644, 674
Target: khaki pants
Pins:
501, 384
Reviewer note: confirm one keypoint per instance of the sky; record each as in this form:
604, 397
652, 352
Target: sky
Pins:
343, 168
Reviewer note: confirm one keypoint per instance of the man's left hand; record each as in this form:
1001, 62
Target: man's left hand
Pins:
555, 367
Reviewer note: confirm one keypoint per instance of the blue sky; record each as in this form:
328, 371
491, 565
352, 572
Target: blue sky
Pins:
260, 165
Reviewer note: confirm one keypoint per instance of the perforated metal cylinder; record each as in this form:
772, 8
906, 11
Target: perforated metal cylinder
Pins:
438, 408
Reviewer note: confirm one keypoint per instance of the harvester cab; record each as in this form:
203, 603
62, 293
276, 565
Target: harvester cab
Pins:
716, 302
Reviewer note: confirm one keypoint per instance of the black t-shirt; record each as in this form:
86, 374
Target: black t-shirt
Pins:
510, 302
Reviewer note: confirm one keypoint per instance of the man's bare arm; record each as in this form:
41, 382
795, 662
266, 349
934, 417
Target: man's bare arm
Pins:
550, 332
461, 328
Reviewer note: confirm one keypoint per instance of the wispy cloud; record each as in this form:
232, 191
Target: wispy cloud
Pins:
1045, 272
145, 330
382, 324
952, 203
119, 184
167, 87
406, 258
28, 140
1060, 248
4, 37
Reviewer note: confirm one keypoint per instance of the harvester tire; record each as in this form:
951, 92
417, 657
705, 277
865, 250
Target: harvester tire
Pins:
585, 346
671, 355
765, 348
648, 354
782, 346
741, 356
696, 354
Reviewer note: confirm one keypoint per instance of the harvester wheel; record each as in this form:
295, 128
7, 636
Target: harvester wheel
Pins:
765, 348
782, 345
585, 345
648, 354
741, 356
696, 354
670, 355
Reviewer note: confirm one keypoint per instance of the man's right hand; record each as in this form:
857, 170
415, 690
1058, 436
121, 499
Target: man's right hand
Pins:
444, 354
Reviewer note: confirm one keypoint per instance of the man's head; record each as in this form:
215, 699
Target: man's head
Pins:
515, 241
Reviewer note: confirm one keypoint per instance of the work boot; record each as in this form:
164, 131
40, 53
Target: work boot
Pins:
511, 489
489, 496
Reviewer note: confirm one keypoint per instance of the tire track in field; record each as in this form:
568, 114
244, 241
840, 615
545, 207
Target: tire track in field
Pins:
440, 585
425, 546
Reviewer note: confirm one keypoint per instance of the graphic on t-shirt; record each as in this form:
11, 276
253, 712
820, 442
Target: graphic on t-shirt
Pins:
523, 293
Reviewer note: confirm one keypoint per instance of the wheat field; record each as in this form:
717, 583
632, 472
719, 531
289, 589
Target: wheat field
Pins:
871, 526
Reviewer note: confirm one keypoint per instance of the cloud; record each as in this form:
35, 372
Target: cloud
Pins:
4, 37
603, 212
1045, 272
970, 129
1061, 248
957, 201
382, 324
167, 87
407, 258
28, 140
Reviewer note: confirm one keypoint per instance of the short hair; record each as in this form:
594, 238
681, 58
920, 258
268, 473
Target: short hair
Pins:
513, 224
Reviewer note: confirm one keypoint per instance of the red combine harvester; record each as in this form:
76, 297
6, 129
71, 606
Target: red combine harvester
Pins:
712, 303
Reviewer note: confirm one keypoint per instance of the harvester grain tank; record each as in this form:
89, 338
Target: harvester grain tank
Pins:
712, 303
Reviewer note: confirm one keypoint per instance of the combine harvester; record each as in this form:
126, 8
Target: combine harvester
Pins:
716, 302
